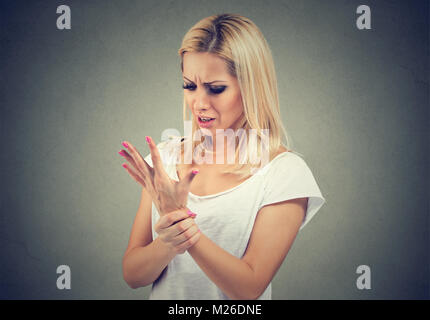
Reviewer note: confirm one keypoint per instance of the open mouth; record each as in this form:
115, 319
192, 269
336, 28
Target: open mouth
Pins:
205, 122
206, 119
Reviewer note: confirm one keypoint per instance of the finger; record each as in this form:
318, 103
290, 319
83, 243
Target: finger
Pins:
130, 159
181, 226
139, 162
155, 155
188, 243
184, 236
134, 175
190, 176
185, 182
177, 228
127, 156
173, 217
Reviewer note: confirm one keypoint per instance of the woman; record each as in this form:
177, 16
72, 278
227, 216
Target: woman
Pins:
207, 230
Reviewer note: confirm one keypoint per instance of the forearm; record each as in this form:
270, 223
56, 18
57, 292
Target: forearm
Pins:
143, 265
232, 275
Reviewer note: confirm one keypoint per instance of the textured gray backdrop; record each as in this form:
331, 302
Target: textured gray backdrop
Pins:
356, 104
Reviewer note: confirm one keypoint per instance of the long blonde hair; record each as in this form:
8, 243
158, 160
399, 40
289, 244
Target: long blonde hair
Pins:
240, 43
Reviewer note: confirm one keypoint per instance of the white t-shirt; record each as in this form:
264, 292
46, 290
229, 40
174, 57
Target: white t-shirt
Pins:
227, 218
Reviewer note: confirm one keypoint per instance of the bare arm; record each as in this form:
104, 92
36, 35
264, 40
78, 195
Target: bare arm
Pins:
144, 259
274, 231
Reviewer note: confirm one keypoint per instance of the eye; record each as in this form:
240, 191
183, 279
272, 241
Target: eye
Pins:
217, 89
189, 86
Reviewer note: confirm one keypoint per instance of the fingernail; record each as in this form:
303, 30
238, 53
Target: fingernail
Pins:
195, 171
124, 165
122, 153
190, 213
125, 144
148, 139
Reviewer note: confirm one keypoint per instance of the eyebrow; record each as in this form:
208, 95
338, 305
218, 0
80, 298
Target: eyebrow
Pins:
206, 82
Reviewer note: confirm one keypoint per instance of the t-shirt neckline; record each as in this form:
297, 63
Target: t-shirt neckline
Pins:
231, 189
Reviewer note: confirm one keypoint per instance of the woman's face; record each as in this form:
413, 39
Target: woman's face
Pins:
211, 92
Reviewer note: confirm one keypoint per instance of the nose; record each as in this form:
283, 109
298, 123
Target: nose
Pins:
202, 102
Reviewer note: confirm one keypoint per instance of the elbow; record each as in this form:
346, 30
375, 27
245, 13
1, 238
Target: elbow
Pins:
250, 293
126, 275
258, 289
135, 281
129, 278
253, 295
256, 296
133, 285
254, 288
131, 282
250, 288
246, 296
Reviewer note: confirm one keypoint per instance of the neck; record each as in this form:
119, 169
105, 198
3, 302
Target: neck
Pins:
224, 148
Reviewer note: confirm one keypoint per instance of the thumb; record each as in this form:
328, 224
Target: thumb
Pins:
185, 182
190, 176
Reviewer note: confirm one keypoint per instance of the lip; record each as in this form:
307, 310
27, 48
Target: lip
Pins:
205, 124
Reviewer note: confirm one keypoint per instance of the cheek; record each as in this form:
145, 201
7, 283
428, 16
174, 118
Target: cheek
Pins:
232, 101
236, 103
227, 106
230, 107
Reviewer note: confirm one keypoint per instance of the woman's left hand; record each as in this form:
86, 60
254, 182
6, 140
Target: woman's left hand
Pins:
167, 194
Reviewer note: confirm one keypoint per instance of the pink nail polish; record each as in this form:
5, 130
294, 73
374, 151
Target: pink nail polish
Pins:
148, 139
190, 213
195, 171
125, 144
124, 165
122, 153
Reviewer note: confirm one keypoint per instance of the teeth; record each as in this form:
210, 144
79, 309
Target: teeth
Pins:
205, 119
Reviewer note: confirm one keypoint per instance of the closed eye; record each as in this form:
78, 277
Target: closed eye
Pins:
217, 89
212, 89
189, 86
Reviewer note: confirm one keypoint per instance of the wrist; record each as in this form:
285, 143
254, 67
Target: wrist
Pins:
196, 245
170, 210
169, 251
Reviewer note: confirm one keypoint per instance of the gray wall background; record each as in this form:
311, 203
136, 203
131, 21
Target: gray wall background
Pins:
356, 104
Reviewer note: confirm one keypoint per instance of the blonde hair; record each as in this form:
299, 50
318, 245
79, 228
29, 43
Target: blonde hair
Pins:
240, 43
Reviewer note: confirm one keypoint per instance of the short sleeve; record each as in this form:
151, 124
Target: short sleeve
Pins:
289, 177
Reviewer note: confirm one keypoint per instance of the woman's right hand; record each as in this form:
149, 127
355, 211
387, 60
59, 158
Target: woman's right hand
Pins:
178, 230
167, 194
